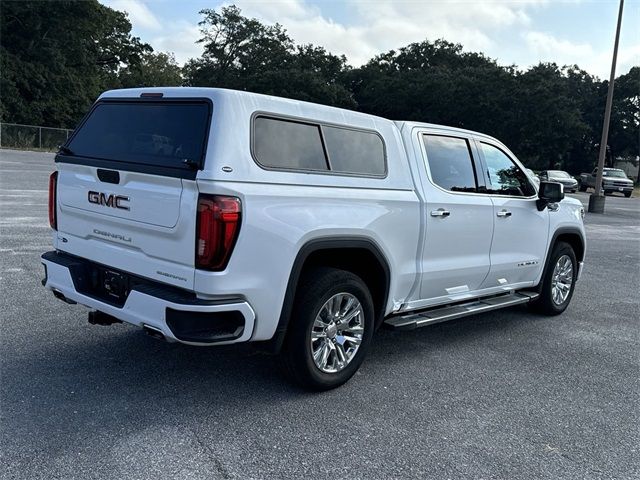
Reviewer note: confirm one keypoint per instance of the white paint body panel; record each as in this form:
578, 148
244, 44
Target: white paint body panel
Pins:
431, 260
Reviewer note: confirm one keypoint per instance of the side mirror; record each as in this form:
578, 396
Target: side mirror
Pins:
549, 192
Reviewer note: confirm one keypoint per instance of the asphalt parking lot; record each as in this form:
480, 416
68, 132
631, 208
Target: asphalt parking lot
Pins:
505, 395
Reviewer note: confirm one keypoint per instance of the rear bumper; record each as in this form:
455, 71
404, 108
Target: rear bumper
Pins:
180, 318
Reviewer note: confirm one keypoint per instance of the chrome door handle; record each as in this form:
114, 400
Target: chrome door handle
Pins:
441, 212
504, 213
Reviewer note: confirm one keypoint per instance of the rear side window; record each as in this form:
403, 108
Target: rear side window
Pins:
450, 163
354, 151
294, 145
290, 145
163, 133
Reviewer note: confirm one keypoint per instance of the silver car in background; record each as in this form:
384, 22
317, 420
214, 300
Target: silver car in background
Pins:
560, 176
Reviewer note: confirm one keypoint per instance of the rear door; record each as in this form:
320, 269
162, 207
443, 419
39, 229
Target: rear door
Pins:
126, 186
455, 259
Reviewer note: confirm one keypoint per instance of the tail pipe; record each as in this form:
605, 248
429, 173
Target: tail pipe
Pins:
153, 332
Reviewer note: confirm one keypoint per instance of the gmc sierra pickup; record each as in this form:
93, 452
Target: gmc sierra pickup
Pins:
211, 216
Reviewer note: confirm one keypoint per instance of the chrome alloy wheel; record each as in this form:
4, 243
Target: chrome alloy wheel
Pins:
561, 280
337, 332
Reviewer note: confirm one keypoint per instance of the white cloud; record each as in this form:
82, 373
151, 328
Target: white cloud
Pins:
380, 26
179, 38
545, 47
549, 48
600, 64
139, 14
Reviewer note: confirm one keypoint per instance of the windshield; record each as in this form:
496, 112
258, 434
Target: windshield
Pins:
160, 133
614, 173
559, 174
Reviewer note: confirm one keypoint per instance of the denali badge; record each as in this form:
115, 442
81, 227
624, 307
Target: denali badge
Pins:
117, 236
114, 201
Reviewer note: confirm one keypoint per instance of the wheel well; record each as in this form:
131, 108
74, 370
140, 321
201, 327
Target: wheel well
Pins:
358, 255
359, 261
575, 241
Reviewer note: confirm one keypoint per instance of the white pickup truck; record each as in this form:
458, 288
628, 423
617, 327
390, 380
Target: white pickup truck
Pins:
298, 225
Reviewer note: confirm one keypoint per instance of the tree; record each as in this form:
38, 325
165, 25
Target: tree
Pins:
244, 54
624, 133
548, 117
153, 70
56, 57
436, 82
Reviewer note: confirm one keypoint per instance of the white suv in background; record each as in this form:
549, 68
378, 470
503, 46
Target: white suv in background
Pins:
301, 226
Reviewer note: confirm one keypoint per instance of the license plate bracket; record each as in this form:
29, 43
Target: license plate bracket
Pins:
114, 285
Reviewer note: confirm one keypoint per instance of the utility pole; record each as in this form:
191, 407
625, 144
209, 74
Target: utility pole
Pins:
597, 198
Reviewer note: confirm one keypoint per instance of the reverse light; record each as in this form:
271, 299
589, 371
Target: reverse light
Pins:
217, 228
53, 183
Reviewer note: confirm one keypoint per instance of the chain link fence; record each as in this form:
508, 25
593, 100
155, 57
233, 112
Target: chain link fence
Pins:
31, 137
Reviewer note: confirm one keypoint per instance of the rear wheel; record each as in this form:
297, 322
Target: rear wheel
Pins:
330, 329
559, 281
582, 188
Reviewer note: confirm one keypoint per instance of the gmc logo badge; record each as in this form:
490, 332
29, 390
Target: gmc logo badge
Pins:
113, 201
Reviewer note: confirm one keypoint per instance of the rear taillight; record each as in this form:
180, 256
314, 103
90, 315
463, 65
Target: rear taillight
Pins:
53, 183
217, 228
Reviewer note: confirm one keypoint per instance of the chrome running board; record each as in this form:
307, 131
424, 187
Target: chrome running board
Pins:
411, 320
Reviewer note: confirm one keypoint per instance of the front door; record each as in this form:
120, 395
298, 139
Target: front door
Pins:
521, 232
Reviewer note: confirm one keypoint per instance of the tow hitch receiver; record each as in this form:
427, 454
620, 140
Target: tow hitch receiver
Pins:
99, 318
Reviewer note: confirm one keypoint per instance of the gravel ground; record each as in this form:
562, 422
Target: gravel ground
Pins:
508, 394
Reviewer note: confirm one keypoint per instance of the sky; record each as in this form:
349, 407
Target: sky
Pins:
514, 32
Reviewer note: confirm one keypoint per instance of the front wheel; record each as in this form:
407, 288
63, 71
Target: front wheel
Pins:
582, 188
330, 329
559, 281
627, 194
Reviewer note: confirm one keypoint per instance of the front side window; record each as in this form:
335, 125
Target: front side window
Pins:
505, 177
450, 163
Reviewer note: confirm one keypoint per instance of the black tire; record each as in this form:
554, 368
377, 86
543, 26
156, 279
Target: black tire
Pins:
582, 188
627, 194
315, 288
544, 303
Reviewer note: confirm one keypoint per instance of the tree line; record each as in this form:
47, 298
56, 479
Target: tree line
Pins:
56, 58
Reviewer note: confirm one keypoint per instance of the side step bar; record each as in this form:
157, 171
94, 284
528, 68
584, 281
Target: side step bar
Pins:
412, 320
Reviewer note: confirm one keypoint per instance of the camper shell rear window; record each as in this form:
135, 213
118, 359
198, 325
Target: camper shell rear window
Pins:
164, 134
